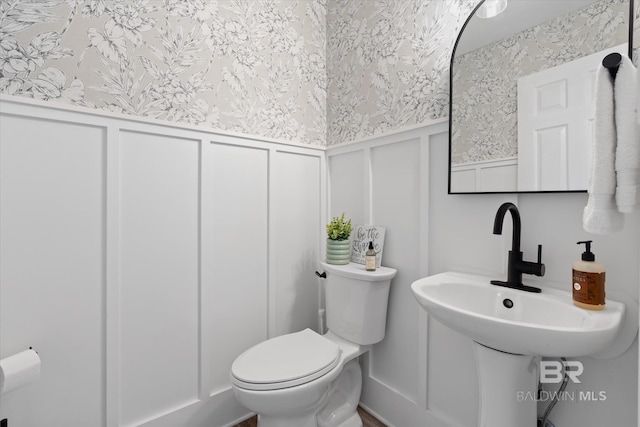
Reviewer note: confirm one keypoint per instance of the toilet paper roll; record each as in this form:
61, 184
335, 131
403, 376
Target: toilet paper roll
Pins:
18, 370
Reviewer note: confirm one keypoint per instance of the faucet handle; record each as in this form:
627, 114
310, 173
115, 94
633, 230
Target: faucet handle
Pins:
539, 254
540, 264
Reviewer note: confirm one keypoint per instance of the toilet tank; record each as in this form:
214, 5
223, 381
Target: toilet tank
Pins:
356, 301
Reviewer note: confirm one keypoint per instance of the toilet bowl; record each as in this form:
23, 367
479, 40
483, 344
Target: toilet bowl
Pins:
305, 379
287, 380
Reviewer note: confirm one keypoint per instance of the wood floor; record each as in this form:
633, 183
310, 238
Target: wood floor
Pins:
368, 420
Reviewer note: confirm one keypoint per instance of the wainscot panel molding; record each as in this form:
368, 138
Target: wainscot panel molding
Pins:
140, 258
295, 290
52, 201
385, 181
424, 373
158, 274
489, 175
133, 120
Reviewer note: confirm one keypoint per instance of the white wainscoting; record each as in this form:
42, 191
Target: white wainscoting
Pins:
488, 175
139, 259
52, 217
424, 374
399, 181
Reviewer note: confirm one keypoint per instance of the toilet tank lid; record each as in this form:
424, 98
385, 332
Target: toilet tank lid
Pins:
359, 272
286, 358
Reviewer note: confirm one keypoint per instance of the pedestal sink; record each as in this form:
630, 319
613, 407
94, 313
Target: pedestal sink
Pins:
511, 329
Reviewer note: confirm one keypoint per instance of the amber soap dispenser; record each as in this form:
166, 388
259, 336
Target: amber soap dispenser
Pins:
588, 280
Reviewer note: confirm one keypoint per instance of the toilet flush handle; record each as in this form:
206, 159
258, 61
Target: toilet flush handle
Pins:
322, 275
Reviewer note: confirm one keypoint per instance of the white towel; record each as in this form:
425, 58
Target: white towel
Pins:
601, 214
628, 145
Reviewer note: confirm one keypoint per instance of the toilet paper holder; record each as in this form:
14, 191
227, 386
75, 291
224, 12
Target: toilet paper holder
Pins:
5, 422
18, 370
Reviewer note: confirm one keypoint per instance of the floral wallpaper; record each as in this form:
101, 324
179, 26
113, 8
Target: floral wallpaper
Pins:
317, 72
388, 63
250, 66
485, 80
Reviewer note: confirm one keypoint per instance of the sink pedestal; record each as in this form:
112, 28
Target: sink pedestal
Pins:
508, 388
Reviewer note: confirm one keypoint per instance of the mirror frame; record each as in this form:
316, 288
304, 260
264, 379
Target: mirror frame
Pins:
453, 54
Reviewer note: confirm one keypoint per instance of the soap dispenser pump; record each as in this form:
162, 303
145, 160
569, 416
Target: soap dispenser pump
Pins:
588, 280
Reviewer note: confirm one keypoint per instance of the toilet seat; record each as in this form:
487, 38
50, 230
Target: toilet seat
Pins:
285, 361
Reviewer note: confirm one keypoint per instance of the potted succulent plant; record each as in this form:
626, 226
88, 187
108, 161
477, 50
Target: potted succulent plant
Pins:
338, 242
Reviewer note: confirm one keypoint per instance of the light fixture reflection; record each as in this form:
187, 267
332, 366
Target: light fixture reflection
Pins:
491, 8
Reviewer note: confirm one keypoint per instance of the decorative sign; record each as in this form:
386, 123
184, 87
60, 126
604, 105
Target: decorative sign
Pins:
360, 238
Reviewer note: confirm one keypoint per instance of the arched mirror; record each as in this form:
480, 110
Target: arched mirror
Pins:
522, 83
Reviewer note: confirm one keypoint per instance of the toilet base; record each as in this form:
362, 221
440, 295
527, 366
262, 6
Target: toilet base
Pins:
337, 408
341, 410
308, 420
352, 421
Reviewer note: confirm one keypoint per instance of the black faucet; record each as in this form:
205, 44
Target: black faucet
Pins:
516, 265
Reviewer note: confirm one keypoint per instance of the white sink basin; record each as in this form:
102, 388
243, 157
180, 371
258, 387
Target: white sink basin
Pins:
539, 324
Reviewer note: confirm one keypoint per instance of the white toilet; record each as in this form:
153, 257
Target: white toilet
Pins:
305, 379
